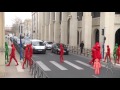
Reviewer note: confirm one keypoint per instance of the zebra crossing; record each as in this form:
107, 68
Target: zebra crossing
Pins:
62, 67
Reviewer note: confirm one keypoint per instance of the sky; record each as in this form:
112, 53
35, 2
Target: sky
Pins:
10, 16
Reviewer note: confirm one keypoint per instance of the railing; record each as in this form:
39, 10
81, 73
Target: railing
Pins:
35, 70
77, 50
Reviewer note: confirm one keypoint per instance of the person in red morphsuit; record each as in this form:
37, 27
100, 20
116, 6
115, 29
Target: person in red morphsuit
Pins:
98, 53
93, 55
118, 55
12, 55
108, 54
26, 55
31, 53
61, 53
97, 66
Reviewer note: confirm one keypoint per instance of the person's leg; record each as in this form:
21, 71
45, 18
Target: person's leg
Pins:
16, 60
9, 61
105, 58
24, 63
7, 56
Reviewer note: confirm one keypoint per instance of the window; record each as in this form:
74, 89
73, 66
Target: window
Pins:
95, 14
79, 15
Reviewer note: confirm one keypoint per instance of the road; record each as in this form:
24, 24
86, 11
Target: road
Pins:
74, 66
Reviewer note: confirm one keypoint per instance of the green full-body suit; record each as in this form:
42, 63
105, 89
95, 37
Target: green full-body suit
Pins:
115, 52
6, 51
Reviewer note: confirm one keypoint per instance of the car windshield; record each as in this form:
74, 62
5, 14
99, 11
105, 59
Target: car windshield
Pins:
49, 42
62, 44
37, 43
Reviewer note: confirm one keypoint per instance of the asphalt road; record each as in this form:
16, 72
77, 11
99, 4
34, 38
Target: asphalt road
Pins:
74, 66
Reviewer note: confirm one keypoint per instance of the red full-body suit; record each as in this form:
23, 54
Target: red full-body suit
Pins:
12, 55
61, 53
118, 55
26, 55
107, 54
93, 55
31, 53
97, 66
98, 53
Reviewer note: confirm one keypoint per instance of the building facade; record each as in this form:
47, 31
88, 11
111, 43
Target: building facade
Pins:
27, 27
71, 28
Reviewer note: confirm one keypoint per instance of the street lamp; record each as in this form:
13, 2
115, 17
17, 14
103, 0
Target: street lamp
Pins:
104, 38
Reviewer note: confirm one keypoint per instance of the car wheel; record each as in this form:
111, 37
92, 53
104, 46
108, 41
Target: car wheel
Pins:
44, 52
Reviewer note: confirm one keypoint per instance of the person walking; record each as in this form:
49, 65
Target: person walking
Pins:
81, 46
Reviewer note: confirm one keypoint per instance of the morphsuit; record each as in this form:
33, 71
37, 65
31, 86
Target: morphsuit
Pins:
115, 53
97, 66
107, 54
61, 53
98, 53
6, 51
93, 55
12, 55
26, 55
31, 53
118, 55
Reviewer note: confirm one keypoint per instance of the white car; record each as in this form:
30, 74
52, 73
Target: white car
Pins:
48, 44
38, 46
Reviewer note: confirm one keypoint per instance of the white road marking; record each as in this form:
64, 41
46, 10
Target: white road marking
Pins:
84, 64
73, 65
95, 76
19, 67
58, 65
43, 66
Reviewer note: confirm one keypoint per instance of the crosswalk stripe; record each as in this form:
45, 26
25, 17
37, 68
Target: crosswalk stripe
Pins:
43, 66
73, 65
58, 65
84, 64
19, 67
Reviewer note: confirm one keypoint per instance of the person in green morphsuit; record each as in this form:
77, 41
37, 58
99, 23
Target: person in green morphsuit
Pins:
115, 53
6, 51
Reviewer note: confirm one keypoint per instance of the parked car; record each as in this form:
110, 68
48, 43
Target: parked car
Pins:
56, 48
25, 42
48, 44
38, 46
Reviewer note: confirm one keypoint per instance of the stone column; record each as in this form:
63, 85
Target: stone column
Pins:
51, 27
57, 27
42, 25
47, 17
2, 31
2, 44
73, 29
64, 28
107, 23
86, 29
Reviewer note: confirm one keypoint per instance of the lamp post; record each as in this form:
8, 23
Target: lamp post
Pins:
104, 38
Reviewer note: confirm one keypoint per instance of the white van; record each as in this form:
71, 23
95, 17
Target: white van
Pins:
38, 46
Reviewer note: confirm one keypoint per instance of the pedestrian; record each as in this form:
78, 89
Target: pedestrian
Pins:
118, 55
26, 55
12, 55
97, 66
61, 53
81, 46
6, 51
107, 54
31, 54
93, 55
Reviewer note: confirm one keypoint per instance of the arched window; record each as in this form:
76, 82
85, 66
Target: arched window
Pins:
95, 14
60, 17
117, 12
79, 15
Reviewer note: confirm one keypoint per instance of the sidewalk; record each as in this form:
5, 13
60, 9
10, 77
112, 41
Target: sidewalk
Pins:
13, 71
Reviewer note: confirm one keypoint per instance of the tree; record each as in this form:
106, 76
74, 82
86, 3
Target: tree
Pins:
15, 26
